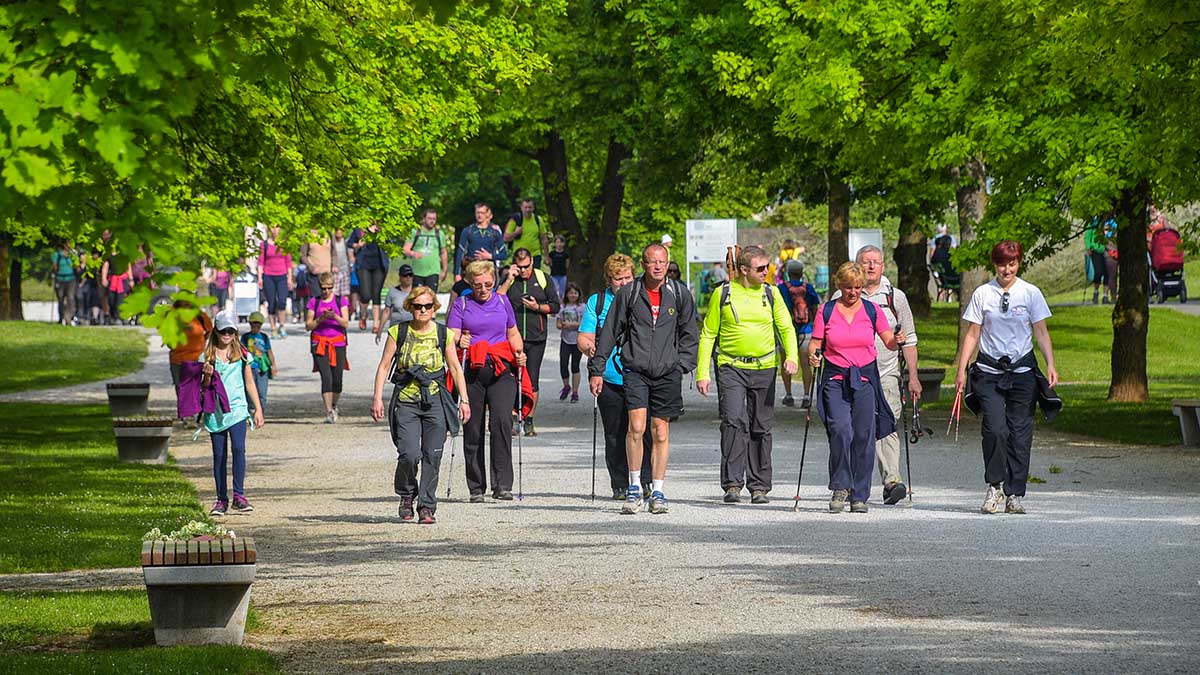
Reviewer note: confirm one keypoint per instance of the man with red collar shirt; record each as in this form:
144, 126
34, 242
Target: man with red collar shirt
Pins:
653, 324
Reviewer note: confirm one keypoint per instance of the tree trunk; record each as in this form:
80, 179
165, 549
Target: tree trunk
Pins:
971, 198
912, 275
16, 311
1131, 314
839, 226
589, 246
512, 192
5, 265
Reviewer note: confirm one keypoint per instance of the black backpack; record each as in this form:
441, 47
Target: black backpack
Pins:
402, 336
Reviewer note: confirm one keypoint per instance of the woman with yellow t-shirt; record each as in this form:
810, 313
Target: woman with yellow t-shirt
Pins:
418, 355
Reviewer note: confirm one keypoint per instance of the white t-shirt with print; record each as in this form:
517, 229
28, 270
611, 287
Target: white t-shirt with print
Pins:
1006, 333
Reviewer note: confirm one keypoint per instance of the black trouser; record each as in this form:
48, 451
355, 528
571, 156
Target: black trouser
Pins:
493, 394
616, 425
1007, 427
430, 282
419, 436
746, 400
331, 376
568, 359
535, 352
370, 285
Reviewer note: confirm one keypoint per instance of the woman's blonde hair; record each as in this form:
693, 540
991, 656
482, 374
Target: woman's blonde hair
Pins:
325, 278
850, 274
417, 293
617, 263
479, 268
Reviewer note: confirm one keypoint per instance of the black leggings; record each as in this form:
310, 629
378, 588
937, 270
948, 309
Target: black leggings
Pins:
492, 394
331, 376
568, 357
370, 285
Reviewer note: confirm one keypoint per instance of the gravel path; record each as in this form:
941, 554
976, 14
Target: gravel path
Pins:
1101, 576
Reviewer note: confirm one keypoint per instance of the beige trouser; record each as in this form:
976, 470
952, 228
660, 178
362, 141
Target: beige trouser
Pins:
887, 450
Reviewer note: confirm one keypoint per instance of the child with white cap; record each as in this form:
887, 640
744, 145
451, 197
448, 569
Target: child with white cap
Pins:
227, 364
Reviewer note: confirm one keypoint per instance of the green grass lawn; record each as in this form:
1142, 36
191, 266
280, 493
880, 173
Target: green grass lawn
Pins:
41, 355
66, 502
1082, 339
106, 631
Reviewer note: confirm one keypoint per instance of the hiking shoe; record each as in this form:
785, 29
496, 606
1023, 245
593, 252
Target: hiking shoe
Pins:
529, 430
733, 495
476, 499
426, 516
241, 504
336, 414
759, 497
658, 502
406, 509
1013, 505
858, 507
564, 392
837, 501
894, 492
329, 418
991, 501
806, 403
219, 508
574, 397
789, 401
502, 495
619, 495
633, 500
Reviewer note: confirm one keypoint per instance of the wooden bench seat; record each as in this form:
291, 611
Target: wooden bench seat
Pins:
239, 551
1188, 412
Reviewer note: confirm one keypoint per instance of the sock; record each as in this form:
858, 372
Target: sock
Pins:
656, 485
635, 479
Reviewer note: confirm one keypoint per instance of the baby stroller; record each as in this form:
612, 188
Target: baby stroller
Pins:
1166, 266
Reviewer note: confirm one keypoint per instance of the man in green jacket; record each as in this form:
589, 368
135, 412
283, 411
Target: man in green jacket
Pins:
746, 319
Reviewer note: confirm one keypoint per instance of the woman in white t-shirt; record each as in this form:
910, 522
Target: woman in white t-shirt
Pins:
1004, 316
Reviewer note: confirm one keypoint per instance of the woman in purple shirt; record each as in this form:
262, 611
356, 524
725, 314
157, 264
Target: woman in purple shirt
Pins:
484, 327
327, 319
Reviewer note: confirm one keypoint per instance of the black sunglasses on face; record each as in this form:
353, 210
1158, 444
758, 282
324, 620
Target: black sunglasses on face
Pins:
228, 331
422, 306
762, 268
1004, 302
327, 288
524, 267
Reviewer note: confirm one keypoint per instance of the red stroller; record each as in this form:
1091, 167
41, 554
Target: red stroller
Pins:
1166, 266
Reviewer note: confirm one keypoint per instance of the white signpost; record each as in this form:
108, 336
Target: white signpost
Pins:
863, 236
708, 241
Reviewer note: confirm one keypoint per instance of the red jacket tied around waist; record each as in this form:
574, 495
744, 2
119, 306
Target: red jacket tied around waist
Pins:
502, 357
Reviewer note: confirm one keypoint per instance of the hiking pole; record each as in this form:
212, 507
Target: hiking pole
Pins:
454, 437
595, 410
812, 390
907, 456
520, 423
955, 413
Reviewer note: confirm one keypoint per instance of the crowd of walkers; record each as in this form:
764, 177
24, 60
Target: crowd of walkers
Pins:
637, 338
90, 285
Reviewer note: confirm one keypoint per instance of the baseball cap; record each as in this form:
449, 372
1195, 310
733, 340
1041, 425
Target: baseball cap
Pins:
666, 239
406, 270
256, 317
226, 319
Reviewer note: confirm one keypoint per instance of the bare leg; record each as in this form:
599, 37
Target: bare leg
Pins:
661, 429
633, 438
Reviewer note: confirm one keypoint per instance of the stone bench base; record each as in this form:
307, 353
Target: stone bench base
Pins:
1188, 412
199, 605
145, 445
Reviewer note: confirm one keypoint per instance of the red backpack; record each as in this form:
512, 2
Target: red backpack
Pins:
800, 313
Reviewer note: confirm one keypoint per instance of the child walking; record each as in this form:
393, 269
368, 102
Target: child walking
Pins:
227, 363
569, 316
262, 357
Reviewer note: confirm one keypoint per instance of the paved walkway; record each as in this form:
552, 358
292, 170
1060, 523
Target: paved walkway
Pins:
1103, 575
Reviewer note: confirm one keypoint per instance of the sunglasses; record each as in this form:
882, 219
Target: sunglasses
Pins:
422, 306
1004, 302
762, 268
228, 331
327, 288
524, 267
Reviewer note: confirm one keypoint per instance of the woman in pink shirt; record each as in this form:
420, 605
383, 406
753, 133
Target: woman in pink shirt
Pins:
849, 397
326, 319
275, 281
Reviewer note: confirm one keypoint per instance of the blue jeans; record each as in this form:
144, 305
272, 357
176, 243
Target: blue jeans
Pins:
233, 436
850, 424
275, 287
260, 383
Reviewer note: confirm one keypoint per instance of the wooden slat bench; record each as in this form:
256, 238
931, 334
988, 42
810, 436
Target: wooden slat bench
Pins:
1188, 412
199, 590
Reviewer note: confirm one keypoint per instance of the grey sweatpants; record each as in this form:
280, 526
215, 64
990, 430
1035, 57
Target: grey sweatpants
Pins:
419, 436
746, 399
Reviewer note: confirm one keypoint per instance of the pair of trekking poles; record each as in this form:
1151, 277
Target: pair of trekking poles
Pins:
914, 435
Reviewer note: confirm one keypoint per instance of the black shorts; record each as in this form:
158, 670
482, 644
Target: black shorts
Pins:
661, 396
534, 353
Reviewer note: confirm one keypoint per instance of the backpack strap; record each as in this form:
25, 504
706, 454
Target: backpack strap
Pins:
540, 276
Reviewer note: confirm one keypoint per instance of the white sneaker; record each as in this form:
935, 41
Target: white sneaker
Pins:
330, 418
1013, 505
334, 414
992, 500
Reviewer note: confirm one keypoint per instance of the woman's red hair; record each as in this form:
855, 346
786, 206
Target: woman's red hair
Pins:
1006, 251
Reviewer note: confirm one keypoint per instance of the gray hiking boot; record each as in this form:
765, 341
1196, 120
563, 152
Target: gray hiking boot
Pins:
992, 500
1013, 505
733, 495
858, 507
759, 497
633, 501
837, 501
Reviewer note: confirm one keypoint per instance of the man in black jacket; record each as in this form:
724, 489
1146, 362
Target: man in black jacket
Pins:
534, 299
652, 323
